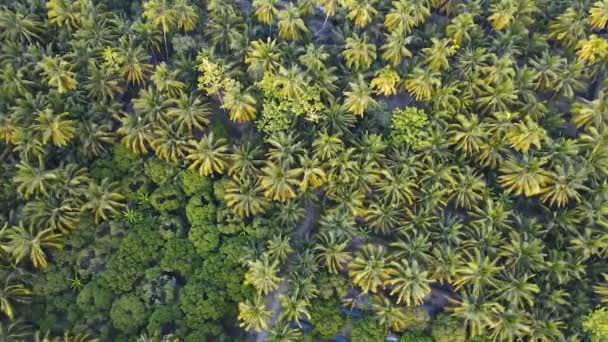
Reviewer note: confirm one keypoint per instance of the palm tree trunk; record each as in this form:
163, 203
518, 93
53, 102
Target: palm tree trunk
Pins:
165, 40
324, 23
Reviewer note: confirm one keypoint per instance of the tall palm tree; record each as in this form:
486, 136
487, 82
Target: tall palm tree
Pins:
523, 134
518, 291
245, 197
136, 132
153, 106
54, 128
566, 184
185, 14
103, 200
525, 176
18, 27
368, 269
263, 57
284, 333
262, 274
278, 182
467, 193
509, 325
385, 82
294, 309
394, 50
33, 181
313, 175
246, 161
358, 97
458, 29
390, 316
422, 83
101, 82
361, 12
161, 14
359, 53
254, 315
279, 248
265, 10
408, 282
165, 80
331, 251
383, 217
598, 14
479, 272
58, 73
476, 313
169, 145
62, 215
436, 56
503, 13
240, 104
189, 112
32, 243
291, 26
12, 292
208, 155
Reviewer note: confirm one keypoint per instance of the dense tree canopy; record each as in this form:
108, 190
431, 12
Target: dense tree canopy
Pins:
219, 170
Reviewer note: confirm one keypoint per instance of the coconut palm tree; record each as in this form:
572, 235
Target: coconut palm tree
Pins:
101, 82
189, 112
508, 325
185, 14
294, 309
592, 50
166, 82
361, 12
245, 161
408, 282
313, 175
404, 16
262, 274
331, 251
58, 73
103, 200
240, 104
469, 188
394, 50
33, 181
422, 83
254, 315
477, 314
263, 57
12, 292
565, 185
458, 30
137, 133
18, 27
518, 291
169, 145
53, 213
569, 27
265, 10
359, 53
278, 182
386, 81
31, 243
598, 14
161, 14
390, 316
291, 26
279, 248
368, 269
479, 273
468, 134
208, 155
358, 98
54, 128
245, 197
525, 176
284, 333
153, 106
436, 56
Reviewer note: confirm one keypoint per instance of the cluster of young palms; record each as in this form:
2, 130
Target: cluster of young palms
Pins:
502, 201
